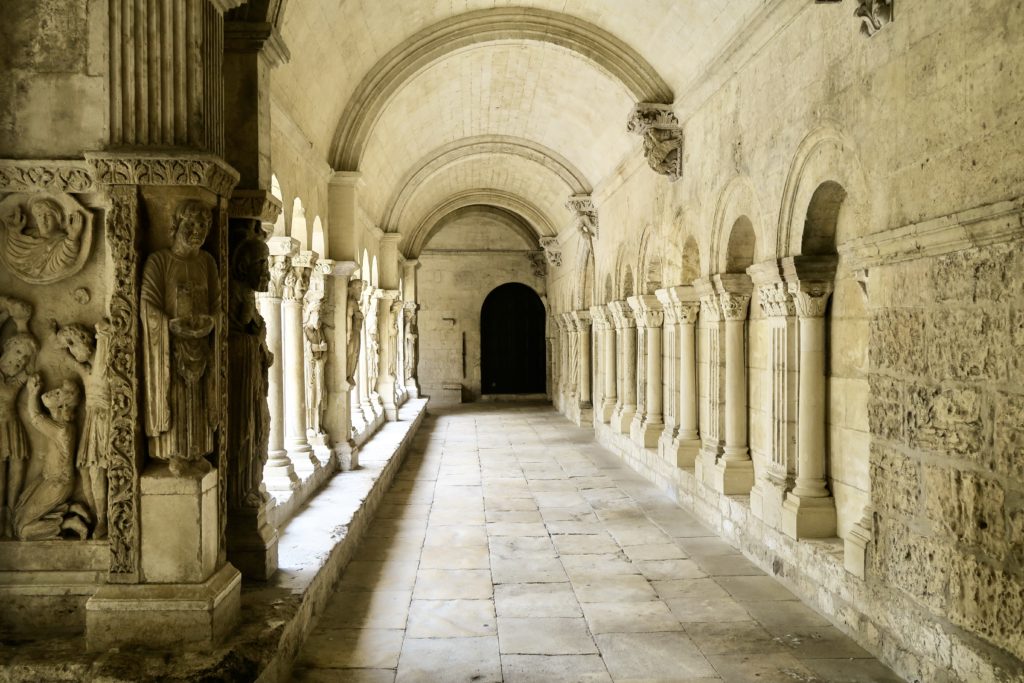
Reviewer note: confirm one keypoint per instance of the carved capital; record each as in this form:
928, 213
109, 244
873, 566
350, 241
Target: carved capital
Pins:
734, 305
601, 317
582, 321
622, 314
280, 266
811, 298
646, 311
686, 312
538, 263
257, 204
662, 135
585, 213
552, 250
775, 300
296, 281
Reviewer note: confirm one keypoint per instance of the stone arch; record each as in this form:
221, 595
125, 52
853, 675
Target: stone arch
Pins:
479, 145
738, 201
650, 267
741, 247
825, 156
604, 50
512, 221
541, 225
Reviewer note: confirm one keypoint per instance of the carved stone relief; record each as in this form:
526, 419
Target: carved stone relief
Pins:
316, 348
552, 250
582, 207
411, 341
662, 136
354, 331
46, 237
17, 362
538, 264
179, 306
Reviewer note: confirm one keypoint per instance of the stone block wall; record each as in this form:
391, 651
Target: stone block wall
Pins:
946, 415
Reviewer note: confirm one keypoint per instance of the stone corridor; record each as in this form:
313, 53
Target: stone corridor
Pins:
512, 547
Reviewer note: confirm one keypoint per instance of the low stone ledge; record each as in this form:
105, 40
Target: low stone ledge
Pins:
314, 549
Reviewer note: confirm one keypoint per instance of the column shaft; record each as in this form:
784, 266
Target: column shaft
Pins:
810, 481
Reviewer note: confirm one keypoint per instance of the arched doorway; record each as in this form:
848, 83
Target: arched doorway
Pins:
512, 341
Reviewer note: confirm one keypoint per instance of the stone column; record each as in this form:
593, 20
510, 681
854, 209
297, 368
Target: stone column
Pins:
279, 473
686, 441
606, 336
583, 323
776, 475
389, 303
296, 440
734, 472
809, 510
646, 428
710, 361
626, 408
670, 371
337, 413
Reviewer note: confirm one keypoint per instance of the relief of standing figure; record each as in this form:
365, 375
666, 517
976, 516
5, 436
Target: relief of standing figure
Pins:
16, 362
180, 300
316, 360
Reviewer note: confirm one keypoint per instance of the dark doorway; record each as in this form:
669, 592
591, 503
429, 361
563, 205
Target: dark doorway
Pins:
512, 341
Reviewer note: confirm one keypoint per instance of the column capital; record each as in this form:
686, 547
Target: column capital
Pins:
257, 204
282, 245
256, 36
387, 294
622, 314
339, 269
810, 281
811, 298
734, 290
411, 264
601, 316
647, 310
585, 214
280, 266
685, 303
296, 280
582, 320
775, 300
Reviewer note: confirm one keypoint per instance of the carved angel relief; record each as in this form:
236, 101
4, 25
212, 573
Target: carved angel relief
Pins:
46, 237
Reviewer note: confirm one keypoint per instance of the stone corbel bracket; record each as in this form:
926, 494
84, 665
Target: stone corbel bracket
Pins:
552, 250
662, 135
874, 14
256, 204
537, 263
585, 213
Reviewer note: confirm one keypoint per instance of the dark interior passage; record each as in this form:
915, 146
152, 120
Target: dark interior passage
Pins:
512, 341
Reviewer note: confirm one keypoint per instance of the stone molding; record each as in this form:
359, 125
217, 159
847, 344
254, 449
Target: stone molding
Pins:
662, 137
585, 213
256, 36
257, 204
18, 175
977, 227
552, 250
198, 170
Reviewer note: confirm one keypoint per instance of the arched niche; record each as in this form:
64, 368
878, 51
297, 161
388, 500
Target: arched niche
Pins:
690, 262
741, 246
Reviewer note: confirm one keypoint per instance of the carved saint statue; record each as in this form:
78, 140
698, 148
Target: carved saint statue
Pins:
392, 341
354, 332
93, 447
178, 310
16, 362
373, 360
316, 361
50, 243
43, 510
411, 336
249, 421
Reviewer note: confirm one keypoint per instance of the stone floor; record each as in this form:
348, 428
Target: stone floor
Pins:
513, 548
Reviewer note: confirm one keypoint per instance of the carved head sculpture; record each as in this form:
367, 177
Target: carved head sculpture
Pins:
62, 401
19, 351
79, 341
250, 264
48, 215
190, 227
311, 319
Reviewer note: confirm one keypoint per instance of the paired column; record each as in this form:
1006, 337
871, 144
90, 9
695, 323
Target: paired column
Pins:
279, 472
582, 322
686, 441
669, 369
711, 386
625, 408
606, 335
809, 510
294, 364
734, 471
647, 427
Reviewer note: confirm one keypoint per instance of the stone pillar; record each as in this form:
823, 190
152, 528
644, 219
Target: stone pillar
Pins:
337, 411
410, 295
626, 408
279, 473
775, 477
734, 471
686, 440
710, 361
389, 304
647, 427
809, 510
606, 337
670, 372
296, 440
583, 322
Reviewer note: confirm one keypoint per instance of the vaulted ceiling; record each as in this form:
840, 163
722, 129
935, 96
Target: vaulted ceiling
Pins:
442, 103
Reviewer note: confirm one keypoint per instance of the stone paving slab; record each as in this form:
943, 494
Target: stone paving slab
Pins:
543, 558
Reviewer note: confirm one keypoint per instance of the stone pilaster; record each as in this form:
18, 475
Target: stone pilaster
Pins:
296, 440
670, 370
606, 336
389, 305
686, 440
648, 422
712, 362
582, 327
625, 326
337, 411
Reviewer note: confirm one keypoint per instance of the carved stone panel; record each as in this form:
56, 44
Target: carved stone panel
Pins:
45, 238
662, 137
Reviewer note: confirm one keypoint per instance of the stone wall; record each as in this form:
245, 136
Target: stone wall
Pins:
946, 414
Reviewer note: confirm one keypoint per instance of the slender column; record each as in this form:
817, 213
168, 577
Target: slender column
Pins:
279, 472
294, 364
710, 388
646, 427
670, 373
583, 322
606, 329
734, 473
686, 443
627, 372
388, 306
809, 510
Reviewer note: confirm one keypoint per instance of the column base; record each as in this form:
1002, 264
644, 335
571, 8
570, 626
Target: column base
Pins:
855, 547
704, 464
303, 459
809, 517
732, 477
766, 500
321, 451
606, 410
252, 543
164, 616
645, 434
347, 456
682, 452
179, 524
279, 474
622, 419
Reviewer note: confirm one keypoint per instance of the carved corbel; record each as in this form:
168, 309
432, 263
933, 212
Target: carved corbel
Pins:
582, 207
663, 137
538, 264
874, 14
552, 250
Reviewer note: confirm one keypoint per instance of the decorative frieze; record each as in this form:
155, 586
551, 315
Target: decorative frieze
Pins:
200, 170
662, 135
52, 176
585, 213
